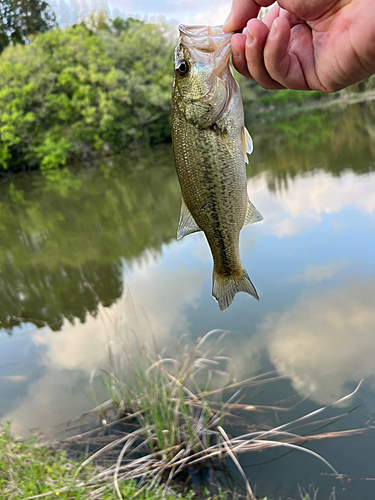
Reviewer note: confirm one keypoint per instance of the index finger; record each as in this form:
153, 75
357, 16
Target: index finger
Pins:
242, 11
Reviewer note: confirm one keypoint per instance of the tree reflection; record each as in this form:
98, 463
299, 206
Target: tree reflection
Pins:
43, 297
332, 140
61, 256
53, 243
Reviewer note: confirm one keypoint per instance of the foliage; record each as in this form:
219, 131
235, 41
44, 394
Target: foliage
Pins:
97, 89
20, 19
143, 55
73, 94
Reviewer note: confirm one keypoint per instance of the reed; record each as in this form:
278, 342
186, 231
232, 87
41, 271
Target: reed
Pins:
174, 410
172, 415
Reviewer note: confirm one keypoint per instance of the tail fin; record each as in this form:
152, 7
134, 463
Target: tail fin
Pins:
224, 288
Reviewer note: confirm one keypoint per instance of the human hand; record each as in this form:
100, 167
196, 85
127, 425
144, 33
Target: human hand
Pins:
321, 45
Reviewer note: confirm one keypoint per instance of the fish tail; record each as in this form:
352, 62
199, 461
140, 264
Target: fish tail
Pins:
224, 288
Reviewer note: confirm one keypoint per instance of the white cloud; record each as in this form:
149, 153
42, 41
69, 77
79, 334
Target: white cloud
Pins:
49, 401
319, 272
291, 212
212, 16
13, 378
324, 341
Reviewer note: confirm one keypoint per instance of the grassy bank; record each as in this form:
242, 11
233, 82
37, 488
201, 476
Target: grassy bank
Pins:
32, 469
171, 415
168, 416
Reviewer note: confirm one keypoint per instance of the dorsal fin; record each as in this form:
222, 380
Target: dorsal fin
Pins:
252, 214
187, 224
247, 144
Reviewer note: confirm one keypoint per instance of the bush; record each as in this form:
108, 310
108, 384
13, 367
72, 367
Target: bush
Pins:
73, 94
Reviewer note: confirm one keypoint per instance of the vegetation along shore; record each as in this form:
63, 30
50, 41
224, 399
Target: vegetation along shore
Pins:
31, 469
102, 86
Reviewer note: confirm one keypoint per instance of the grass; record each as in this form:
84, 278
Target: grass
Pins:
173, 415
168, 416
30, 469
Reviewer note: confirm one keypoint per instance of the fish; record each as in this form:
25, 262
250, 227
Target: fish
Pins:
211, 144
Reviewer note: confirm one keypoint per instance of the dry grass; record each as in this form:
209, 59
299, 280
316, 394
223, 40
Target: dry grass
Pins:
173, 413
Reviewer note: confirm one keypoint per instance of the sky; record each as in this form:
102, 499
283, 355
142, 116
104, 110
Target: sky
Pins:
184, 11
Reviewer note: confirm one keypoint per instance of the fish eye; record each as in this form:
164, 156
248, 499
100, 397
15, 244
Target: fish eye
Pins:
183, 67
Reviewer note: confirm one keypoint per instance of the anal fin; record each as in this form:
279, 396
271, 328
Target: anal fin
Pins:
187, 224
252, 214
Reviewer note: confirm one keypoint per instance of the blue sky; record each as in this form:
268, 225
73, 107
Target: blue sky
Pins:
185, 11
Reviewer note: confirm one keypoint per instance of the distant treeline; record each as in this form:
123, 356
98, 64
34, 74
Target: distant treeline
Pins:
93, 89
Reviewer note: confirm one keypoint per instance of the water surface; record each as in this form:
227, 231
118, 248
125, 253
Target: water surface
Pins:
71, 257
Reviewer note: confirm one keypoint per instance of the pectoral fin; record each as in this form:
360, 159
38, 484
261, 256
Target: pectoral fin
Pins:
187, 224
247, 144
252, 214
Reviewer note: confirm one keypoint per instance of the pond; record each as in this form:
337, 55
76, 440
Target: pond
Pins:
73, 257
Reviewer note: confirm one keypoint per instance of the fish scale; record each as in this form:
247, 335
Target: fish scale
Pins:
209, 143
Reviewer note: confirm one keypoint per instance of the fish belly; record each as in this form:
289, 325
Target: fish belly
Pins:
212, 176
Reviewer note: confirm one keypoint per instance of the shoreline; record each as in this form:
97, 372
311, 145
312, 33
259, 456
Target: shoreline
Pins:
347, 99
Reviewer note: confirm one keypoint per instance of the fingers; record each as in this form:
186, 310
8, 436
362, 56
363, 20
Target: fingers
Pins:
271, 15
281, 63
256, 37
242, 11
238, 55
276, 56
247, 51
272, 57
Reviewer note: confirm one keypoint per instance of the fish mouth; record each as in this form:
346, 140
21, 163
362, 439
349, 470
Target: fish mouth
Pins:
204, 38
203, 31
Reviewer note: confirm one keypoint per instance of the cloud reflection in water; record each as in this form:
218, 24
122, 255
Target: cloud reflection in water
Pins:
322, 340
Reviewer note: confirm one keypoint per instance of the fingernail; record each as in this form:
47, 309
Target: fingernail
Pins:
235, 54
249, 37
273, 30
227, 20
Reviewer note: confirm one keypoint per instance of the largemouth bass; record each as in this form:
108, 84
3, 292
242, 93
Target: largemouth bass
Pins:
210, 145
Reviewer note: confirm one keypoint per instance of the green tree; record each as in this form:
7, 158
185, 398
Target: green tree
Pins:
58, 99
20, 19
143, 56
80, 93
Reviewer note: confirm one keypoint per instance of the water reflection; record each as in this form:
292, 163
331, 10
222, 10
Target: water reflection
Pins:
53, 245
315, 196
332, 141
64, 259
325, 340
